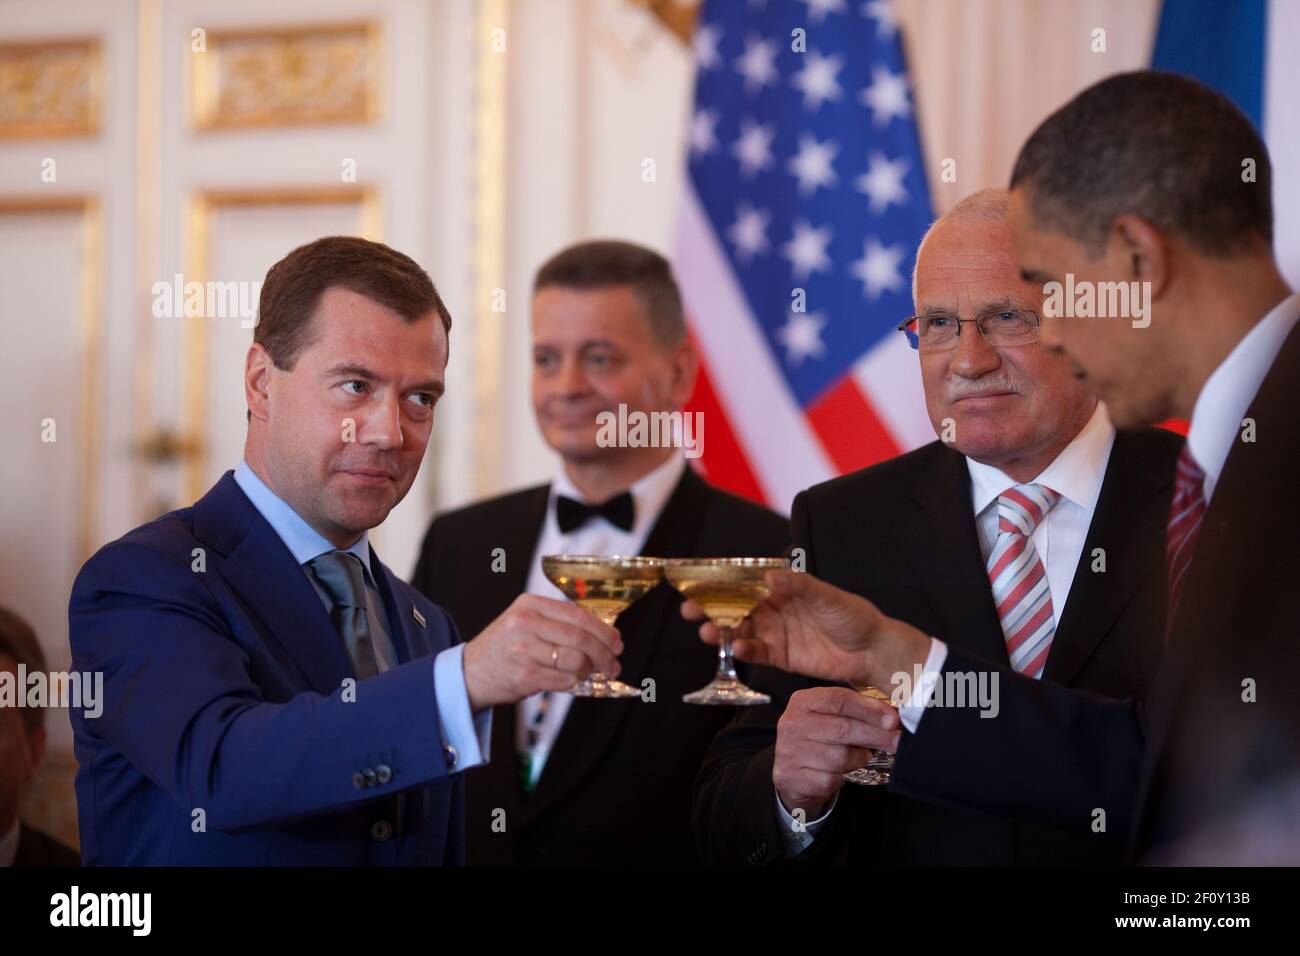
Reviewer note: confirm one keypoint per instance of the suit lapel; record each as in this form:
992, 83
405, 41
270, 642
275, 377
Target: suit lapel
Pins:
519, 534
260, 568
1184, 650
1128, 524
591, 726
409, 637
958, 587
1202, 611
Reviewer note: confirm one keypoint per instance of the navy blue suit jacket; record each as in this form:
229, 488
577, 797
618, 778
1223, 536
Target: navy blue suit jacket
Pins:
223, 693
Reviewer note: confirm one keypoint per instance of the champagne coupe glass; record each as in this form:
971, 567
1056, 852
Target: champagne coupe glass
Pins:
726, 589
878, 768
604, 585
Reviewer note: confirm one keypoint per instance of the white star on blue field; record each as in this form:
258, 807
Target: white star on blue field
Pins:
810, 171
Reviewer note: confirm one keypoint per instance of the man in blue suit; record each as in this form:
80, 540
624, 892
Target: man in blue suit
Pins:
273, 694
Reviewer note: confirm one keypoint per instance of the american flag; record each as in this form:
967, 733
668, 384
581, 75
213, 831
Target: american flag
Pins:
804, 202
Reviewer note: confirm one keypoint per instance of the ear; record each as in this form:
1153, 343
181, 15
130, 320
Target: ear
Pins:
1145, 249
257, 381
685, 365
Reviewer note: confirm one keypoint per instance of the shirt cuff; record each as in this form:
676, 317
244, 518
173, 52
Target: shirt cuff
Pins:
796, 835
468, 734
910, 714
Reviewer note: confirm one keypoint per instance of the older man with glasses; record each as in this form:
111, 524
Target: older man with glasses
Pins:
1031, 533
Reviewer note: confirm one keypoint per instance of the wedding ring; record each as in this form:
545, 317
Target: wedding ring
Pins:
555, 656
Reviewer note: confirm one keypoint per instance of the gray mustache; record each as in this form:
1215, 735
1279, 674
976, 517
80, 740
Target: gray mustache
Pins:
963, 387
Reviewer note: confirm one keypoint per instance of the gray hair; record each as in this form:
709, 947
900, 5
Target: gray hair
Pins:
983, 205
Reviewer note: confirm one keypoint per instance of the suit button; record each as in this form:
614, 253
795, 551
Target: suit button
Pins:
371, 778
359, 780
450, 753
380, 831
384, 773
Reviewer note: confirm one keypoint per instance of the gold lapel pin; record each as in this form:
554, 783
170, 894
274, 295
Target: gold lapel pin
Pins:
419, 618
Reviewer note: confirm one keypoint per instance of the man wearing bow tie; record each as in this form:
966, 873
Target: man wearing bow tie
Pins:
598, 781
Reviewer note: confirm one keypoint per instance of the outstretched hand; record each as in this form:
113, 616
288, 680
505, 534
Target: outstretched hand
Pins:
813, 628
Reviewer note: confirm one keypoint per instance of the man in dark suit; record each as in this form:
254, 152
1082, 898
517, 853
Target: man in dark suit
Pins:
22, 749
598, 781
917, 535
273, 694
1217, 737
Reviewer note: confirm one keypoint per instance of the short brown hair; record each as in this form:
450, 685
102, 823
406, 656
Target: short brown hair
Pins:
602, 263
18, 640
294, 285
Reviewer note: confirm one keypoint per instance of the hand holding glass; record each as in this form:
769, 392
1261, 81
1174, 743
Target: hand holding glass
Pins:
878, 768
606, 586
726, 589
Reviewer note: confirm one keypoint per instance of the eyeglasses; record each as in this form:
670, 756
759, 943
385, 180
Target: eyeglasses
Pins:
937, 331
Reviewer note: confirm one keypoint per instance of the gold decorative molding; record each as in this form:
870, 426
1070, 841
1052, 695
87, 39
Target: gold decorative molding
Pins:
90, 335
190, 443
145, 495
50, 88
676, 16
287, 76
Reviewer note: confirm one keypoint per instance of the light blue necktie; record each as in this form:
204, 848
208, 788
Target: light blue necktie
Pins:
341, 575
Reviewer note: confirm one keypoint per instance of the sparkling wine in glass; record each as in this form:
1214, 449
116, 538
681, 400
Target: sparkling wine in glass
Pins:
604, 585
881, 764
726, 589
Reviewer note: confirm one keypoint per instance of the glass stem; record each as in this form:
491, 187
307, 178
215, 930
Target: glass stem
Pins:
726, 664
606, 618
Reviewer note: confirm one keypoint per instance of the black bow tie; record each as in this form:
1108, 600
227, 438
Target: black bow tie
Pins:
572, 515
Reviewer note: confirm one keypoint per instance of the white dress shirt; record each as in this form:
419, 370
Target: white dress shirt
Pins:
9, 845
597, 536
1076, 474
1227, 393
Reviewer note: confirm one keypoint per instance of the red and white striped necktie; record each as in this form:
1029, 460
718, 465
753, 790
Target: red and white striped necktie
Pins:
1019, 580
1186, 513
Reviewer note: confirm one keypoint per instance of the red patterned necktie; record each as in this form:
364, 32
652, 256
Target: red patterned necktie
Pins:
1186, 514
1019, 580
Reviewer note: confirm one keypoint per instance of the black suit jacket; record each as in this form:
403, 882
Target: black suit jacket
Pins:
617, 784
37, 849
1194, 752
903, 535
